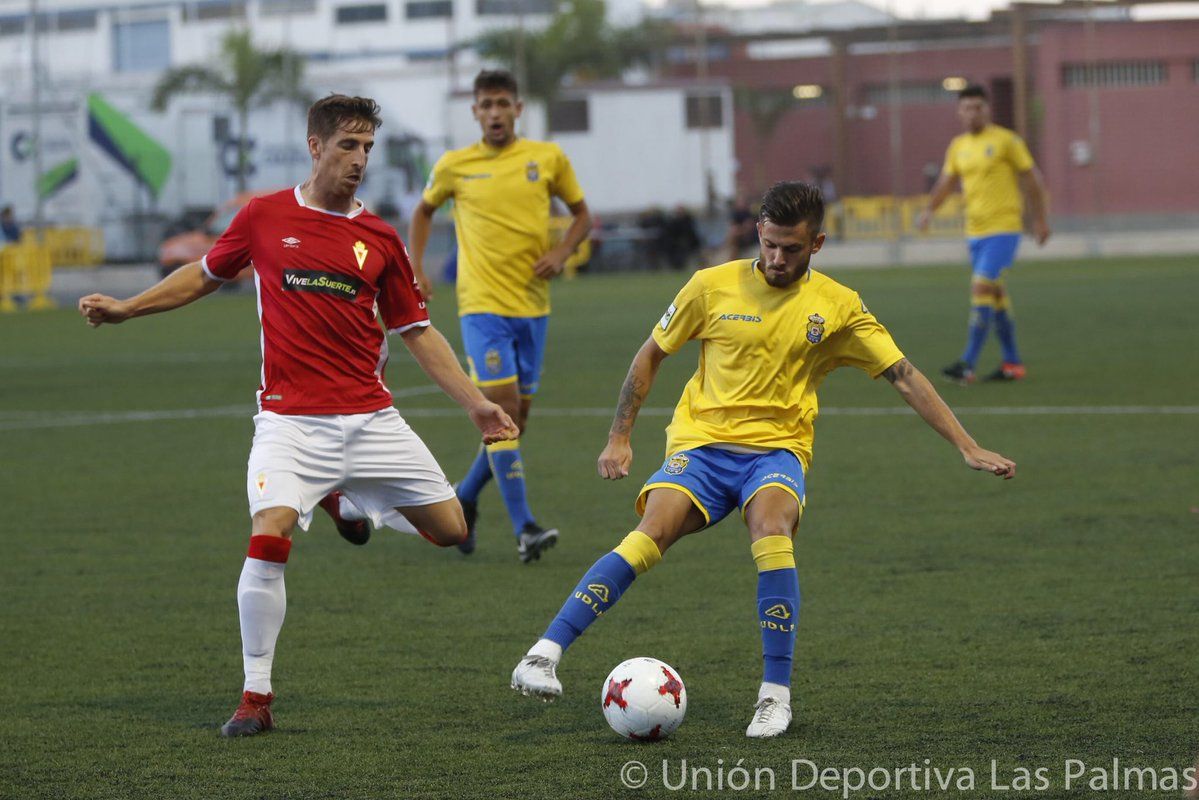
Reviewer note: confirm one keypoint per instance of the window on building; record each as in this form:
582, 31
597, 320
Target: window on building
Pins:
214, 9
141, 46
12, 26
486, 8
277, 8
429, 9
1114, 74
569, 116
704, 111
907, 94
75, 20
353, 15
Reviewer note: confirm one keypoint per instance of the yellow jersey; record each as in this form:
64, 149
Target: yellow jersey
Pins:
763, 354
502, 213
988, 164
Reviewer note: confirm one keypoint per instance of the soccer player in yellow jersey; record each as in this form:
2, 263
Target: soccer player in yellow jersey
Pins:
502, 187
994, 167
770, 330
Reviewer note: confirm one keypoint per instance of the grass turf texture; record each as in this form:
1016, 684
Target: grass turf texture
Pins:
947, 615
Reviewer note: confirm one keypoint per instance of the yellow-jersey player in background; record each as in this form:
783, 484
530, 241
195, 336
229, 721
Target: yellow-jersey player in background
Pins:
994, 167
770, 330
502, 187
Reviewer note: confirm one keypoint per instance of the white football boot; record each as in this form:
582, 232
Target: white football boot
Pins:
536, 676
771, 718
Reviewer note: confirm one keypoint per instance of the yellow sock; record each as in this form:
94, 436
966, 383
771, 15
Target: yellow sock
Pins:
773, 552
639, 550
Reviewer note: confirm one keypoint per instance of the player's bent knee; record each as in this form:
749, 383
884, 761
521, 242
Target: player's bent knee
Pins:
279, 521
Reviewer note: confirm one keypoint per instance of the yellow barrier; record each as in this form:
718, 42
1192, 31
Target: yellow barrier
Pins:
25, 272
69, 247
886, 217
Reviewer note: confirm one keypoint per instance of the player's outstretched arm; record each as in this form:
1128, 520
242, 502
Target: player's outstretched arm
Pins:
418, 238
183, 286
614, 462
433, 353
914, 388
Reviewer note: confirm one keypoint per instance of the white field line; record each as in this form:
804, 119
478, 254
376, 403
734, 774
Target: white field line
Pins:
31, 420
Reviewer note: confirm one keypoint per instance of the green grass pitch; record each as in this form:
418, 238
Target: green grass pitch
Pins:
947, 615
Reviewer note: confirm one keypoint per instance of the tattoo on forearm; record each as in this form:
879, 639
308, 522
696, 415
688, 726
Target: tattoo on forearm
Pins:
899, 370
632, 394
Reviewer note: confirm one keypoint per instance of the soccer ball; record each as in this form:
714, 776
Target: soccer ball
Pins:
643, 699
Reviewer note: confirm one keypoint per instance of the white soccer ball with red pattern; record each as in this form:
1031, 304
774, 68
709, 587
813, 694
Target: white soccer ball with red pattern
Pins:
644, 699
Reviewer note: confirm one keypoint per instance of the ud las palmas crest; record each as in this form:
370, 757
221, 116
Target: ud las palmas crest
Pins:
493, 361
815, 328
360, 253
676, 464
531, 172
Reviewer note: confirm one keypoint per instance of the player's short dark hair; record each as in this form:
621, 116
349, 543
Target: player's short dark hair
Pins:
974, 90
328, 114
789, 203
496, 80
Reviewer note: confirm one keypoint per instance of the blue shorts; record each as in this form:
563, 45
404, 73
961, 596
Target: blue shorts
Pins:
505, 349
718, 481
991, 255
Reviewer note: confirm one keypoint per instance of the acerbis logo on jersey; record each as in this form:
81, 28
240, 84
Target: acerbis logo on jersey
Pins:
740, 317
307, 280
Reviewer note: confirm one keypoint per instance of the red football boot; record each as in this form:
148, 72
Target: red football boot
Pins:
354, 531
253, 716
1008, 372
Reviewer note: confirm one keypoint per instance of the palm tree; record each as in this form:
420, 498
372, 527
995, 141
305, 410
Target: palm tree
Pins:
247, 78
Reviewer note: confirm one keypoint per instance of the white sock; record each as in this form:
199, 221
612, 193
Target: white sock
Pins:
547, 648
261, 605
777, 691
348, 510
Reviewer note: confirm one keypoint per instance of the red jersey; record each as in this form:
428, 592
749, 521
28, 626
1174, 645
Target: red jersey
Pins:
320, 276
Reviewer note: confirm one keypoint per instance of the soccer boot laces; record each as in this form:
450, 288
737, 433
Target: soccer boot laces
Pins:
771, 718
253, 716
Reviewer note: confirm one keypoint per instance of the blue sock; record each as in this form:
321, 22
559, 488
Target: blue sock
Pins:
1005, 329
509, 474
980, 323
600, 588
476, 478
778, 611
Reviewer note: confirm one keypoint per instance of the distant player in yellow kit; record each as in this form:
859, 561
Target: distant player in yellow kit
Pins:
502, 187
770, 330
994, 168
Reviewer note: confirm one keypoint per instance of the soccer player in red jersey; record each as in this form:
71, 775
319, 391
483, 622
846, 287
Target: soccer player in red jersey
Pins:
324, 269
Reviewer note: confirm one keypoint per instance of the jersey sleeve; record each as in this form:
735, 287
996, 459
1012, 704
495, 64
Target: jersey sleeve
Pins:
864, 343
684, 319
950, 165
231, 253
441, 183
1018, 154
401, 304
566, 184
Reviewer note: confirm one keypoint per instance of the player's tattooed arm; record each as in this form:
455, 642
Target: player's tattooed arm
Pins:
900, 370
618, 454
918, 393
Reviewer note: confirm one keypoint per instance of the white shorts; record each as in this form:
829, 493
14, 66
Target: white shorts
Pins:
375, 459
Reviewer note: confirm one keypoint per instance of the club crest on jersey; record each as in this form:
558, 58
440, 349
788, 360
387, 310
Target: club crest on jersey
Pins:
493, 361
531, 172
815, 328
291, 242
260, 482
676, 464
360, 252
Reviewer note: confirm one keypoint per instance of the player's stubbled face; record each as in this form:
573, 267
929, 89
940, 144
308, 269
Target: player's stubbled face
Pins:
341, 159
786, 251
974, 113
497, 110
